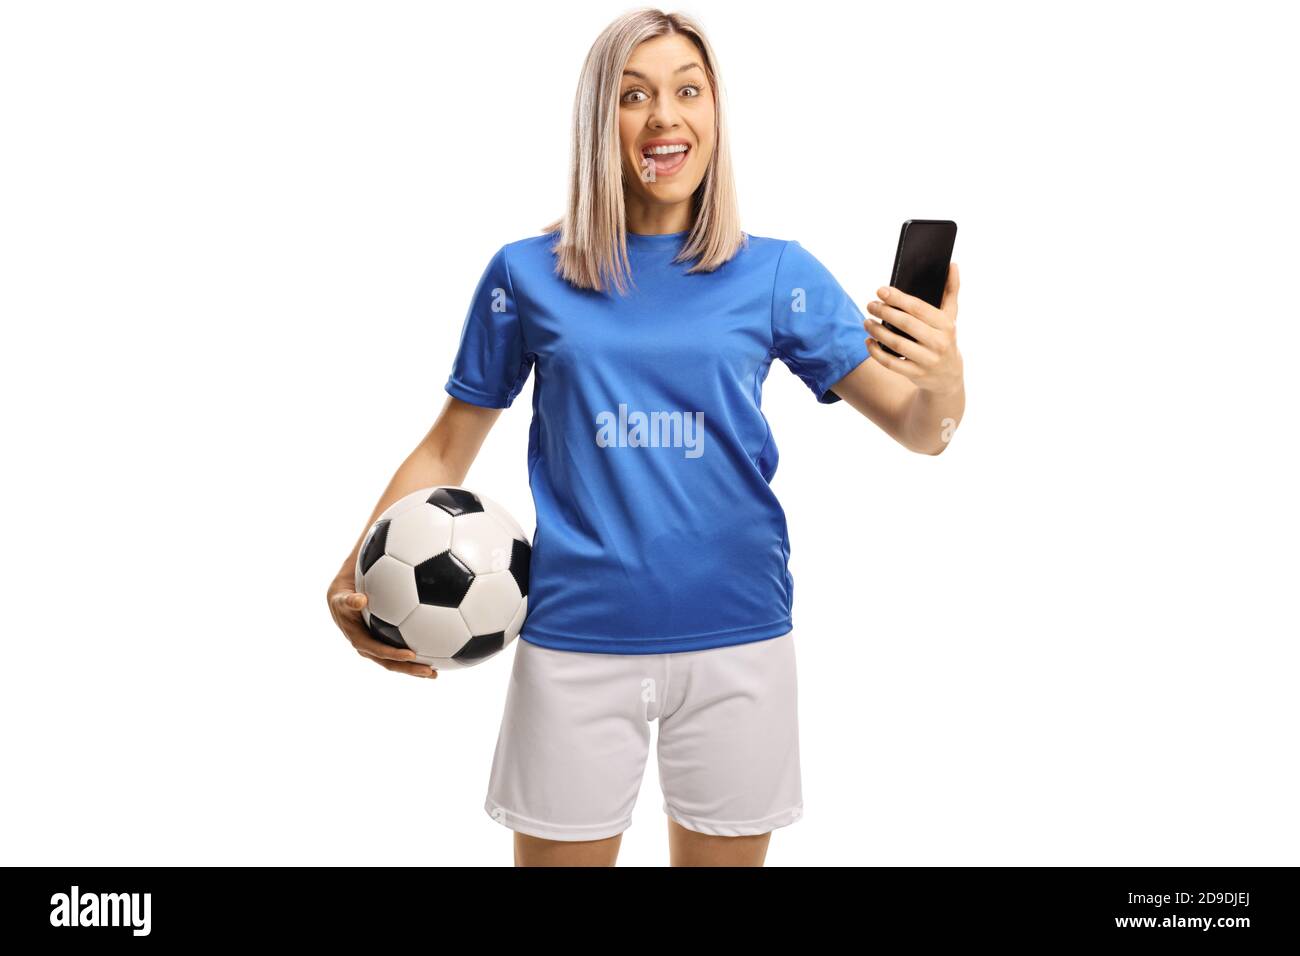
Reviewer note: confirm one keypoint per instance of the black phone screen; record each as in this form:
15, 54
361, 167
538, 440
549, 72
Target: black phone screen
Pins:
921, 264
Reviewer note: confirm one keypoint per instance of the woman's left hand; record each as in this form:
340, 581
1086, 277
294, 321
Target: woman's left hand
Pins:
933, 362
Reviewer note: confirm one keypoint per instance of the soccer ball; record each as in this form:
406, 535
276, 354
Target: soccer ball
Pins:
445, 573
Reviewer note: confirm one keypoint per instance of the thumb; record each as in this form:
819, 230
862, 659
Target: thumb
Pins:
950, 289
351, 600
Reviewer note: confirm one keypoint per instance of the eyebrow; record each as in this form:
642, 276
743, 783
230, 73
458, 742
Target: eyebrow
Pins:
680, 69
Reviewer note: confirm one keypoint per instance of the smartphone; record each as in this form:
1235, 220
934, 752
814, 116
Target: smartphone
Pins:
921, 264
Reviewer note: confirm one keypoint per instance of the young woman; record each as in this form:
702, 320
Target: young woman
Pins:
659, 580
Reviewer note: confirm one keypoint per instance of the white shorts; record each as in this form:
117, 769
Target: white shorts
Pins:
576, 734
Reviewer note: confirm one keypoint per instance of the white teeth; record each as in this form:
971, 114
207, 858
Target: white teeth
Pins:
664, 150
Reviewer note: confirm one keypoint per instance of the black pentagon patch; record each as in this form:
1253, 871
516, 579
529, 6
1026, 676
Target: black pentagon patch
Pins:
388, 633
521, 556
477, 648
456, 501
443, 580
375, 544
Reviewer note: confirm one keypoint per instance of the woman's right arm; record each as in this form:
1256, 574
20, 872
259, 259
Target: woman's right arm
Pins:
443, 457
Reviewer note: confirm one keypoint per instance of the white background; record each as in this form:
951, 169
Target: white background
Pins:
237, 243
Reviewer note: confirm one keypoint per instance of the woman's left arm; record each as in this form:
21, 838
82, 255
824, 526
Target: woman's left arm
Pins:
918, 402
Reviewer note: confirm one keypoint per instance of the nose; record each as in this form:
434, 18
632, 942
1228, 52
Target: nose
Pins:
663, 115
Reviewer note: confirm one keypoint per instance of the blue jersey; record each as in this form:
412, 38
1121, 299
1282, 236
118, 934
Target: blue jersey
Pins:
649, 458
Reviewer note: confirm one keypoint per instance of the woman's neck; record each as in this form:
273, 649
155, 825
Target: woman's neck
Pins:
657, 220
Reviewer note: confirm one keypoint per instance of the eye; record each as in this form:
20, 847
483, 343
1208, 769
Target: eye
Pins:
630, 93
695, 88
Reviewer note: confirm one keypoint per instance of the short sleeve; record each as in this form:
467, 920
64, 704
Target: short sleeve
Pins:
491, 363
817, 330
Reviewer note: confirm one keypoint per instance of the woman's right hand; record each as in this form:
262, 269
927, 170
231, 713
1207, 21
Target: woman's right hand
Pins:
443, 457
345, 606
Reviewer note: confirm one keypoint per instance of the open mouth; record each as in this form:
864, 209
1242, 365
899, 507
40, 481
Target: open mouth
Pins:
667, 159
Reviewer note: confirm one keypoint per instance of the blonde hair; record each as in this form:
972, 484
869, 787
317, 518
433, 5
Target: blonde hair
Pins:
592, 244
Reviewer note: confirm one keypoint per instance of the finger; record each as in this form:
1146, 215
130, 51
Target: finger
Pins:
913, 306
348, 601
915, 351
904, 368
927, 335
949, 304
402, 667
363, 640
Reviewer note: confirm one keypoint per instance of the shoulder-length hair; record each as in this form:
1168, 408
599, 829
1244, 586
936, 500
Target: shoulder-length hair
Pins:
591, 250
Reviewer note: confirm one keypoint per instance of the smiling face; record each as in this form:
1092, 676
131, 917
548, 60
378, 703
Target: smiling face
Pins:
666, 112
